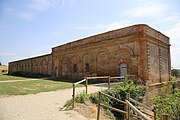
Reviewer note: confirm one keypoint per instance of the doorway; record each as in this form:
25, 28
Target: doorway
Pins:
56, 72
123, 70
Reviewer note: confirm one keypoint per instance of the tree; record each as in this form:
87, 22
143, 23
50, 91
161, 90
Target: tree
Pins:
0, 64
175, 72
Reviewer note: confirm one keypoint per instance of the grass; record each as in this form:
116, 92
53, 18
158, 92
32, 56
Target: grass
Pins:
9, 77
32, 87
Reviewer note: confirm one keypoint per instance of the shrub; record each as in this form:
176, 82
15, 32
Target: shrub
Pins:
94, 98
68, 104
29, 74
136, 91
167, 102
82, 97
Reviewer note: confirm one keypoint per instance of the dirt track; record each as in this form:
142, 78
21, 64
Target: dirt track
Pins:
41, 106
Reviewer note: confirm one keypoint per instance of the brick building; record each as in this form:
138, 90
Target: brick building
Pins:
136, 50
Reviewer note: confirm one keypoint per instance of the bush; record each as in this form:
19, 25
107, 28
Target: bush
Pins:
136, 92
68, 104
167, 102
29, 74
94, 98
82, 97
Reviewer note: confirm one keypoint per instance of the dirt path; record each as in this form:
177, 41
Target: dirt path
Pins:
42, 106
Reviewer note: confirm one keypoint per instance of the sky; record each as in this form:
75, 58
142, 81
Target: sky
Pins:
30, 28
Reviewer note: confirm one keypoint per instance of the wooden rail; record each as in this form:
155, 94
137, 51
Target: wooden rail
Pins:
127, 102
140, 104
74, 89
138, 111
162, 83
90, 78
127, 105
109, 107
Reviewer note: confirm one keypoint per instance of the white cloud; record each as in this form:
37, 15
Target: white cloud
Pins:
98, 26
33, 7
19, 14
63, 3
106, 27
147, 9
57, 33
117, 25
41, 5
172, 18
174, 35
24, 15
7, 54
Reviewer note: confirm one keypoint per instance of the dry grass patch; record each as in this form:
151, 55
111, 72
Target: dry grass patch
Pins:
89, 110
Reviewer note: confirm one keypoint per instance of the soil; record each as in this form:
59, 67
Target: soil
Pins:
44, 106
89, 110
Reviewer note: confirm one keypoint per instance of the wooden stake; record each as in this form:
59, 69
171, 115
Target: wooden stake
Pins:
109, 79
73, 94
165, 117
127, 107
86, 85
99, 102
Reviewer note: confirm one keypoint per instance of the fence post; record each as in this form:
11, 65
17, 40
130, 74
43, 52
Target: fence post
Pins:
127, 107
86, 85
99, 105
154, 110
165, 117
109, 79
73, 94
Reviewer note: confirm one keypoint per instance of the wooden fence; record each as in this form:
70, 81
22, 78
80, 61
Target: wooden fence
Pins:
86, 79
127, 103
126, 112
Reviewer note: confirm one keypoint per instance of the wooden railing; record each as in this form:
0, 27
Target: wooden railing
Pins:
86, 79
109, 107
152, 110
126, 103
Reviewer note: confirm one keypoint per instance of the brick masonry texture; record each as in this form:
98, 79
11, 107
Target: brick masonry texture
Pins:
144, 50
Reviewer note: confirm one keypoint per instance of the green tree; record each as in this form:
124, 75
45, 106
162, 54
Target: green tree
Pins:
0, 64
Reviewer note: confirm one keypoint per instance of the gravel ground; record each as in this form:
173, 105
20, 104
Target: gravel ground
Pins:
41, 106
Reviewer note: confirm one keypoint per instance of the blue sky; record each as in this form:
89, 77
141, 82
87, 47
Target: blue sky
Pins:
32, 27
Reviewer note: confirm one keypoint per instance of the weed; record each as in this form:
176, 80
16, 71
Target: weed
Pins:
82, 97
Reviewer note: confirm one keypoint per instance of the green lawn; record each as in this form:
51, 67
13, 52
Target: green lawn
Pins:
32, 87
8, 77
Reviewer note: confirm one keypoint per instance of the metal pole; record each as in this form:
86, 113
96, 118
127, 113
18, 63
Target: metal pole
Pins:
109, 78
73, 94
99, 102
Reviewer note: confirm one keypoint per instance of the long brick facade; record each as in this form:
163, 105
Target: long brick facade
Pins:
136, 50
